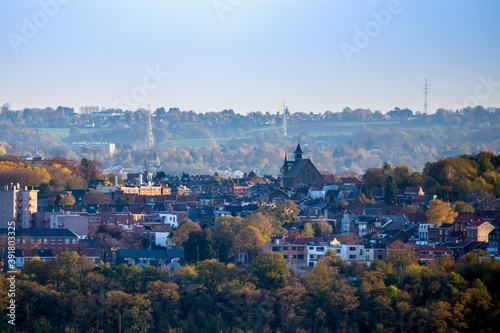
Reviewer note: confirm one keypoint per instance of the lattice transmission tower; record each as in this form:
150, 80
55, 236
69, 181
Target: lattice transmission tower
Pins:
426, 92
149, 136
285, 111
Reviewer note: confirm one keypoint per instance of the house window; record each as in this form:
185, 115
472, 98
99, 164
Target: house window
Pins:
352, 248
285, 256
285, 248
66, 241
45, 241
39, 241
52, 241
59, 241
294, 248
276, 249
73, 241
352, 256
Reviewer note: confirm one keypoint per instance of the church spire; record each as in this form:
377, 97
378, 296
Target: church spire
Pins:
298, 152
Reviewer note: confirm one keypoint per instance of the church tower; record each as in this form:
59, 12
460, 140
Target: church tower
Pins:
298, 152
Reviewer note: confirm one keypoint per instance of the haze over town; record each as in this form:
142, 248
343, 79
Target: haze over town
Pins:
250, 55
249, 166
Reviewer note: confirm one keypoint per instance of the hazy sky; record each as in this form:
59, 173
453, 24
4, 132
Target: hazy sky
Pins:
249, 55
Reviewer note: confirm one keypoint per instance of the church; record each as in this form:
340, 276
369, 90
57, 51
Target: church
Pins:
300, 172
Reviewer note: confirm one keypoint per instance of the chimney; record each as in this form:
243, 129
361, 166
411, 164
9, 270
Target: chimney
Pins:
116, 180
140, 179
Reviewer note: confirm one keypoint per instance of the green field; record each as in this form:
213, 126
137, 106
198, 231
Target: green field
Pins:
268, 128
197, 143
62, 133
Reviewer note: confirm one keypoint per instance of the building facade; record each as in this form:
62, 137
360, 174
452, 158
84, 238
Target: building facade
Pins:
300, 171
18, 205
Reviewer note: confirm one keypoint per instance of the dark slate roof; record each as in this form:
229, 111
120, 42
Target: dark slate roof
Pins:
303, 190
41, 232
78, 194
193, 214
297, 166
179, 208
175, 253
170, 253
207, 212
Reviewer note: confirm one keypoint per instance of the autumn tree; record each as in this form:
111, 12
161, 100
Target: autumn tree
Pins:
67, 199
401, 255
271, 270
199, 246
97, 197
440, 212
65, 268
250, 240
308, 230
182, 233
463, 207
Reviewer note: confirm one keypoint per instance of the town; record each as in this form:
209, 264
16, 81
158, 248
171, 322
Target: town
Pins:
145, 219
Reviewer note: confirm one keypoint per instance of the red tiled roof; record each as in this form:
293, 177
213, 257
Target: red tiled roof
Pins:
467, 217
428, 248
352, 180
328, 178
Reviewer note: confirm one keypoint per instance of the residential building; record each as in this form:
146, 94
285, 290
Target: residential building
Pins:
18, 205
55, 239
478, 231
158, 258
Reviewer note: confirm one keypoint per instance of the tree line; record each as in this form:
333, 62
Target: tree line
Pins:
69, 294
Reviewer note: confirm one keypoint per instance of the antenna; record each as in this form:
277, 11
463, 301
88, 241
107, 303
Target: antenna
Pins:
285, 109
150, 129
426, 92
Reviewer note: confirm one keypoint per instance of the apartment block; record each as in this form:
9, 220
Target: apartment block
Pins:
18, 204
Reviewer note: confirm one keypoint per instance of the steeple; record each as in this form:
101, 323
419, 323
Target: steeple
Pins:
298, 152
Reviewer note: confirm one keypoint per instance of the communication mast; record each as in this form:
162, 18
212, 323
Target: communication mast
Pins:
285, 111
426, 92
150, 138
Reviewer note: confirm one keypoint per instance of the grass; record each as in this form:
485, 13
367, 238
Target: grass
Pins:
197, 143
269, 128
357, 123
62, 133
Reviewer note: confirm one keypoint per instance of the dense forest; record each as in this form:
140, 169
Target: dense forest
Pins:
185, 141
69, 294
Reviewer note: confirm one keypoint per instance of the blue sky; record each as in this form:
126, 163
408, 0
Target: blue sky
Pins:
249, 55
